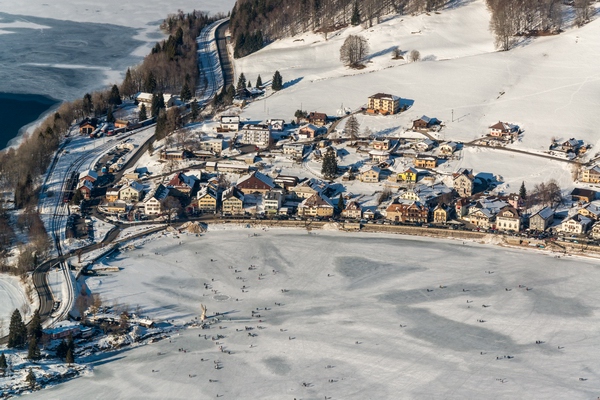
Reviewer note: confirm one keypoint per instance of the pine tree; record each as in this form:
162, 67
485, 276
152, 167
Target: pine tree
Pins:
3, 363
161, 125
34, 349
523, 191
143, 114
115, 97
77, 197
69, 357
87, 104
259, 82
340, 204
158, 103
249, 84
61, 349
355, 19
17, 333
31, 379
110, 117
35, 326
186, 93
195, 110
277, 81
241, 85
150, 83
128, 87
329, 167
352, 127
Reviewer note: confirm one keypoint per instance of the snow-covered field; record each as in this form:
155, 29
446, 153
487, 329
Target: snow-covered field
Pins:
12, 296
393, 317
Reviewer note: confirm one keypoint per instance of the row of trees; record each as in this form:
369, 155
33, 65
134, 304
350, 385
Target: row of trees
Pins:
256, 22
511, 18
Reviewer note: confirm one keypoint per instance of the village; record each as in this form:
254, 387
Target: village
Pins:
232, 169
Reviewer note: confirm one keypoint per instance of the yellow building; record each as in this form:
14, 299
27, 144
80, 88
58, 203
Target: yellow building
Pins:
410, 175
383, 103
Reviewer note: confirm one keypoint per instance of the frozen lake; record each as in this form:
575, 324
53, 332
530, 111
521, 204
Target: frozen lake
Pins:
392, 317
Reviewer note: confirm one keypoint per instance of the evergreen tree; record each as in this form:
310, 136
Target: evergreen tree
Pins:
241, 85
158, 103
300, 114
150, 83
259, 82
3, 363
329, 167
69, 357
115, 97
34, 349
355, 19
77, 197
523, 191
277, 81
161, 125
61, 350
352, 127
87, 104
17, 333
195, 110
229, 95
249, 84
128, 86
340, 204
31, 379
186, 93
109, 116
35, 326
143, 114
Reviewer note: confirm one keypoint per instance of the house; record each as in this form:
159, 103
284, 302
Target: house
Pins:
62, 330
272, 201
592, 211
576, 225
571, 146
381, 144
286, 181
447, 149
173, 155
423, 161
310, 131
481, 217
257, 134
464, 182
369, 174
277, 125
424, 194
85, 187
88, 126
383, 103
112, 194
255, 182
508, 219
412, 212
590, 175
379, 156
317, 205
461, 207
502, 129
89, 175
121, 123
541, 219
172, 100
215, 146
409, 175
132, 192
153, 202
425, 145
583, 195
207, 199
230, 123
232, 201
294, 150
353, 210
145, 99
316, 118
424, 123
306, 189
442, 213
595, 232
183, 183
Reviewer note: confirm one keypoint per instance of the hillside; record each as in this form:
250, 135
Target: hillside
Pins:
546, 85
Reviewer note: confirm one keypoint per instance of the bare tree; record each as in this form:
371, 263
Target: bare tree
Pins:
415, 55
353, 51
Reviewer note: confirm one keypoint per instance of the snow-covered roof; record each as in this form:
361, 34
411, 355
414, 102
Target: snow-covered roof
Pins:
385, 96
138, 187
545, 213
260, 176
89, 173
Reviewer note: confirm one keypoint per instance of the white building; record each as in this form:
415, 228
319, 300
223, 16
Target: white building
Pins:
258, 135
272, 201
230, 123
576, 225
153, 203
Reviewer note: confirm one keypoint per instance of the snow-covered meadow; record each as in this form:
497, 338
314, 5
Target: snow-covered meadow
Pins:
350, 316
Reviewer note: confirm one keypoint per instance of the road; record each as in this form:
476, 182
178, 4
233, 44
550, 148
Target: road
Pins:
226, 64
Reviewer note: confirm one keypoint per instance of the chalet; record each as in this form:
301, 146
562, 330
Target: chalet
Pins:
424, 123
592, 211
153, 202
352, 210
447, 149
172, 100
183, 183
121, 123
423, 161
310, 131
85, 187
576, 225
383, 103
277, 125
464, 182
379, 156
230, 123
145, 99
89, 175
442, 213
425, 145
413, 212
481, 217
316, 118
306, 189
590, 175
232, 201
88, 126
272, 201
595, 232
502, 129
508, 219
409, 175
317, 205
583, 195
294, 150
112, 194
173, 155
255, 182
369, 174
133, 192
258, 135
207, 199
571, 146
381, 144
